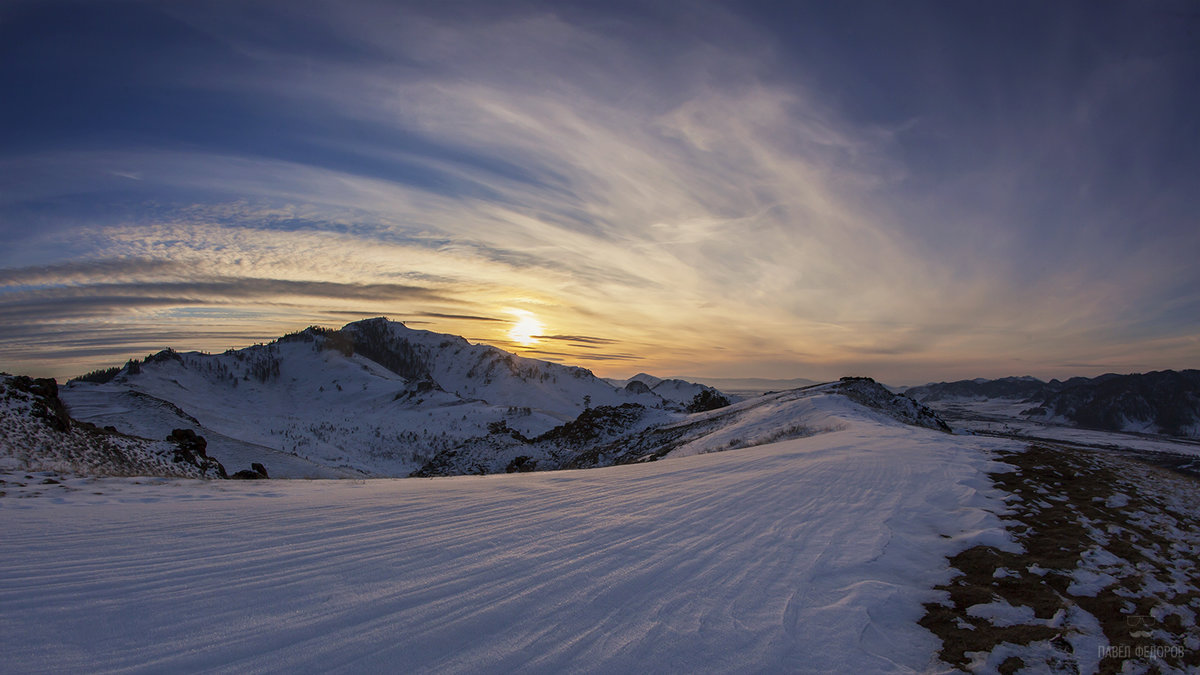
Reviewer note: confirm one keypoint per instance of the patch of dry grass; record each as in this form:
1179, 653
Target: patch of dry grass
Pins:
1073, 505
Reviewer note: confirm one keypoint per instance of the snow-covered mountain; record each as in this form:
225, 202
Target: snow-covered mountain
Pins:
682, 391
748, 387
374, 398
378, 398
645, 378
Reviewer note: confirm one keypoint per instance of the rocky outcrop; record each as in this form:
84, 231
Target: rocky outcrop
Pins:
866, 391
37, 434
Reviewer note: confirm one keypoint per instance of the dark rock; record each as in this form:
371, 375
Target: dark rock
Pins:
521, 464
373, 339
191, 442
707, 399
247, 474
46, 405
192, 450
262, 470
637, 387
593, 424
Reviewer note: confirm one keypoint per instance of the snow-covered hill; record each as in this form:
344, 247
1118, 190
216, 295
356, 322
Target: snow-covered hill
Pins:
682, 392
631, 433
37, 434
805, 554
749, 387
374, 398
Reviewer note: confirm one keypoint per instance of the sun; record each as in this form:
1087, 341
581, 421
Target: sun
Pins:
526, 328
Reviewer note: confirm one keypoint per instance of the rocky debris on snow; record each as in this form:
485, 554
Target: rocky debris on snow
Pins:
866, 391
1107, 579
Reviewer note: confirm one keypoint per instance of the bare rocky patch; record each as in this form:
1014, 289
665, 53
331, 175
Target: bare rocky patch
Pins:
1107, 580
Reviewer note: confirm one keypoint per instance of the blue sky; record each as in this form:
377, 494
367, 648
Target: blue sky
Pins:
913, 191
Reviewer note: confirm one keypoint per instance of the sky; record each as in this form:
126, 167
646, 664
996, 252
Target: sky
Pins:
913, 191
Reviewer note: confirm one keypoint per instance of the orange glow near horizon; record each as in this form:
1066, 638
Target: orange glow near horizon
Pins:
526, 328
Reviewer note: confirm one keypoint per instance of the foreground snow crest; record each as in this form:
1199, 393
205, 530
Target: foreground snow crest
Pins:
812, 554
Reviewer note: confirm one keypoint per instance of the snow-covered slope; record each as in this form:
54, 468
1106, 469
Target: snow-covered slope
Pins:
486, 373
631, 433
375, 398
143, 415
810, 554
36, 434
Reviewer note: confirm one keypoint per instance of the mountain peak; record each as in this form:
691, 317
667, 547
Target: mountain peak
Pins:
646, 379
376, 321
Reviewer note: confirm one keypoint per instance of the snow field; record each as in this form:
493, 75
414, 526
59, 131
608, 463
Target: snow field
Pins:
809, 555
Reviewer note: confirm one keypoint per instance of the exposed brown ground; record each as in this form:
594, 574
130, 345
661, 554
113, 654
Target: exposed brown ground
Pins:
1072, 503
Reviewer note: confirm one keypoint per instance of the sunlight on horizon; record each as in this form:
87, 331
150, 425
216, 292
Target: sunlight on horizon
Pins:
526, 329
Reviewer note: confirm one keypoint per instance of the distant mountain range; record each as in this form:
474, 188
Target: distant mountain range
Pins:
743, 387
672, 389
1161, 402
377, 398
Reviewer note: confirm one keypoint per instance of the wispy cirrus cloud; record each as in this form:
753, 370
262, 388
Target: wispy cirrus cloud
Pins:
677, 183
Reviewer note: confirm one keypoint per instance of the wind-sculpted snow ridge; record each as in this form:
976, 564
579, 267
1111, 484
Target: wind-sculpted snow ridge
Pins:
37, 434
807, 554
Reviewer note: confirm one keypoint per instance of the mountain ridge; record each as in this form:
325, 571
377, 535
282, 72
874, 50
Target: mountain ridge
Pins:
1158, 402
377, 398
374, 397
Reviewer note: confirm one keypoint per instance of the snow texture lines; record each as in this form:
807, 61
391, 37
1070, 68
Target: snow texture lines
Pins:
813, 554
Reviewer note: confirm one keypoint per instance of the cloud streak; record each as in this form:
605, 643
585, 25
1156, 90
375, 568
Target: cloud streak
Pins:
699, 198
